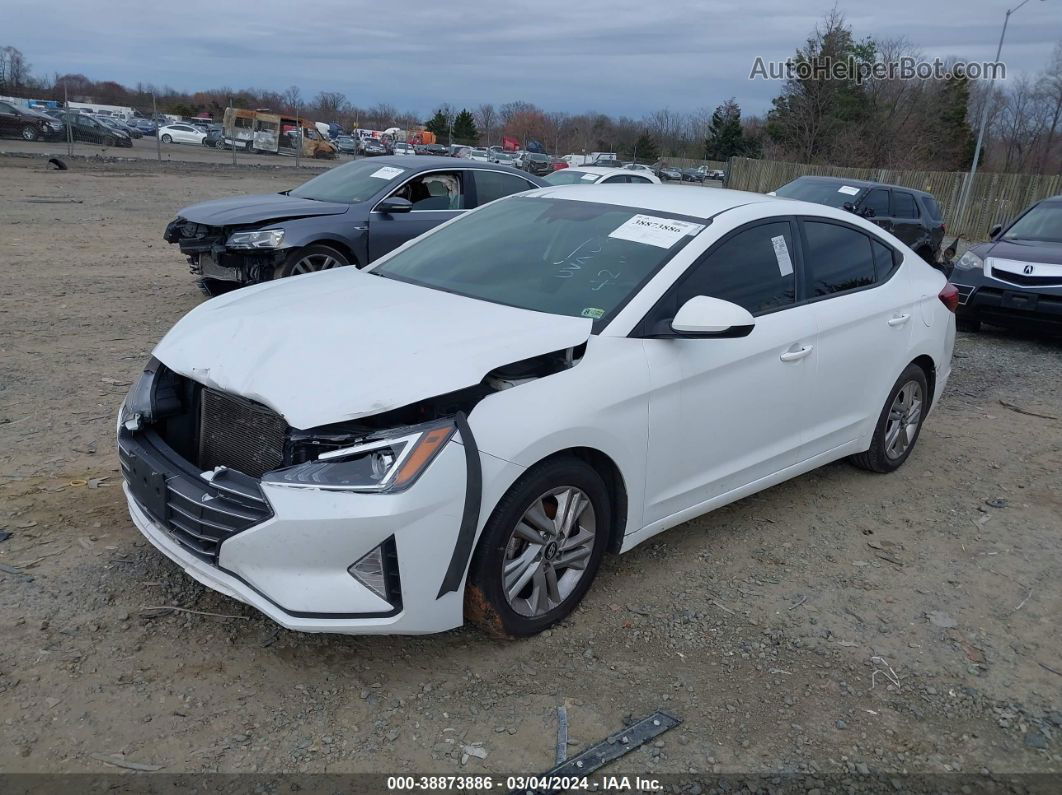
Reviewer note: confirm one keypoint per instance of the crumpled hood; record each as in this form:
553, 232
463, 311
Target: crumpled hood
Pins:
343, 344
1024, 251
257, 209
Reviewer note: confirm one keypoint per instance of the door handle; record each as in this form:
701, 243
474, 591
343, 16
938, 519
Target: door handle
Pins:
899, 320
792, 355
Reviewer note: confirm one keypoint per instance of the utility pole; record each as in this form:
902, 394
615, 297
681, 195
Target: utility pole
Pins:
967, 187
298, 136
69, 124
155, 119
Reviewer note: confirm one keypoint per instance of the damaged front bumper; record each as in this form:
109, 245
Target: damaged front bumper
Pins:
210, 259
295, 554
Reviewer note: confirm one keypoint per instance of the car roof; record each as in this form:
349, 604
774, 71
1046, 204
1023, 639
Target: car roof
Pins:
659, 198
601, 170
862, 183
430, 162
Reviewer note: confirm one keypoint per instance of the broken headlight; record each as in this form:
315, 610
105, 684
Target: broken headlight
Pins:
384, 462
266, 238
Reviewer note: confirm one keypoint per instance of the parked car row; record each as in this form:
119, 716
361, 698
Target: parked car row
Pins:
516, 379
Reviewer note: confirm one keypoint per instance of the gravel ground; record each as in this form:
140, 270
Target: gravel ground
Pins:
841, 624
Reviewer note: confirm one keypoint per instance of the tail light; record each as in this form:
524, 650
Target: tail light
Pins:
949, 296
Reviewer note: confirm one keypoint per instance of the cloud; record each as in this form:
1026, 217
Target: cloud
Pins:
614, 58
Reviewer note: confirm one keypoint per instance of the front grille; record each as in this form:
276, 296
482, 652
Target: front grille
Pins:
199, 514
239, 434
1027, 281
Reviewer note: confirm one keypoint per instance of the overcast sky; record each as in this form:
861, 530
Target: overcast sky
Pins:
618, 58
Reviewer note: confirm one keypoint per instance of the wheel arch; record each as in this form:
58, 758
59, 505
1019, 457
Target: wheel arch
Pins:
614, 483
929, 367
339, 245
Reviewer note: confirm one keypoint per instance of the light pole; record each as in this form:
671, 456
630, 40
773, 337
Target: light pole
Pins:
968, 185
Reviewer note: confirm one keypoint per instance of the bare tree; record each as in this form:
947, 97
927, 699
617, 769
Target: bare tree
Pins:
486, 118
292, 98
330, 104
1049, 95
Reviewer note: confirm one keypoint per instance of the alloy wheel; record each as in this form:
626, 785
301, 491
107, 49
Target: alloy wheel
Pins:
313, 263
904, 416
548, 551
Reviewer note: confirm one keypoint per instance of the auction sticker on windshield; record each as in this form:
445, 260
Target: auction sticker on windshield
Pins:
387, 172
848, 189
652, 231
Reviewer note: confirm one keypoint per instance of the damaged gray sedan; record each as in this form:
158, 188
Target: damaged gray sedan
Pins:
349, 215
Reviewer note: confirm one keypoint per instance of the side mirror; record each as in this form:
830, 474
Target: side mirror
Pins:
993, 233
702, 316
849, 207
394, 204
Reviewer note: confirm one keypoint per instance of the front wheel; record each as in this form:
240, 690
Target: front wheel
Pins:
311, 259
540, 549
30, 133
219, 144
167, 139
899, 423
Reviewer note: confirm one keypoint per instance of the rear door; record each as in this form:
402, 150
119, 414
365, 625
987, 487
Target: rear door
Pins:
437, 196
8, 119
906, 218
864, 310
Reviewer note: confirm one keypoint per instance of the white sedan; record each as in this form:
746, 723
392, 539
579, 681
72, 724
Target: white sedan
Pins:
596, 175
402, 148
181, 134
562, 374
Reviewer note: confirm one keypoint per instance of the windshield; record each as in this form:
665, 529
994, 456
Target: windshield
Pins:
549, 255
831, 194
1042, 223
350, 183
570, 176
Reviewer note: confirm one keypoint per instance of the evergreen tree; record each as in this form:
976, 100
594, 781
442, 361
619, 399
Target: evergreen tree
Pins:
725, 138
953, 138
465, 128
644, 149
439, 124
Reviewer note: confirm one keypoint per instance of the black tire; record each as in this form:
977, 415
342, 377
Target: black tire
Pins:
878, 457
968, 324
927, 255
110, 140
220, 144
167, 138
486, 604
214, 287
299, 254
30, 133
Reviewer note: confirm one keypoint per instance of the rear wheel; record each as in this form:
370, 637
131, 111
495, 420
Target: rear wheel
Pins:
219, 143
30, 133
167, 139
540, 549
311, 259
899, 423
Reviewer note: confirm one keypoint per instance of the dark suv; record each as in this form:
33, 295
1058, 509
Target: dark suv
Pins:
538, 164
914, 216
27, 124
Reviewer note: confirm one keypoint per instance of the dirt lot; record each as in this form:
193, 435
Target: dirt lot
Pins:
839, 624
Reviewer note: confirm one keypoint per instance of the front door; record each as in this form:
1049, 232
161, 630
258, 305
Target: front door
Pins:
726, 412
436, 197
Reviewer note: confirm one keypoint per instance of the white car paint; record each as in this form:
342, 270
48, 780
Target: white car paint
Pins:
403, 149
181, 134
690, 424
600, 175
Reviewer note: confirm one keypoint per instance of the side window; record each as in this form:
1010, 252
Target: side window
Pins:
932, 207
753, 269
903, 205
617, 178
638, 180
5, 108
878, 201
838, 258
491, 185
884, 261
439, 190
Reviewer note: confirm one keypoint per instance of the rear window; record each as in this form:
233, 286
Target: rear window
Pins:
932, 208
819, 191
903, 205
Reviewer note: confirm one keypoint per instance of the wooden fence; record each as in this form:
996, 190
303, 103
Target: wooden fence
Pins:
995, 198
